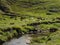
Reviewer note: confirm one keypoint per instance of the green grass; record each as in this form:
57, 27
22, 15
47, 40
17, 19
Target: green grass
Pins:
30, 11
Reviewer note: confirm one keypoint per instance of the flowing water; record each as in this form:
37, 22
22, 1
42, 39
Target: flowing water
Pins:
24, 40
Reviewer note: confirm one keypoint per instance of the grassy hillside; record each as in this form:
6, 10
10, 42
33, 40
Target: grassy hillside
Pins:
20, 16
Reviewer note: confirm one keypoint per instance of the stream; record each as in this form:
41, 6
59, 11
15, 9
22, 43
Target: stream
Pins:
24, 40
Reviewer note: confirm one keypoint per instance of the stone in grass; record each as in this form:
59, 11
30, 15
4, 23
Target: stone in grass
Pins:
28, 40
33, 31
53, 29
54, 10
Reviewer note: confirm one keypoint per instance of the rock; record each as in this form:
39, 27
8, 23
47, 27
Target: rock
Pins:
28, 40
54, 10
53, 29
32, 31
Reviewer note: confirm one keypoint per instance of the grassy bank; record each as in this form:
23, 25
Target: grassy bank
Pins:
20, 16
